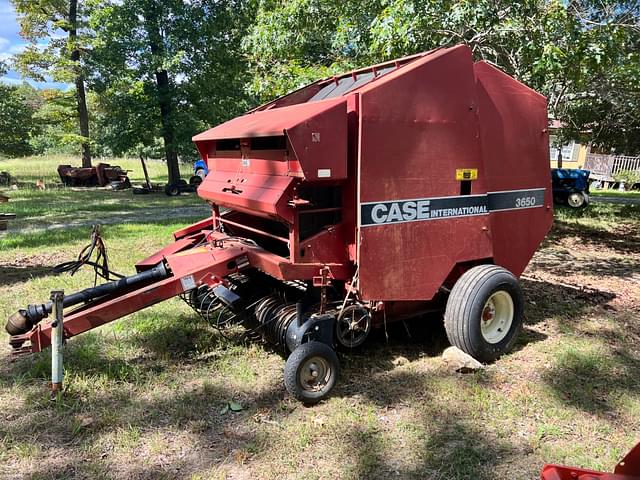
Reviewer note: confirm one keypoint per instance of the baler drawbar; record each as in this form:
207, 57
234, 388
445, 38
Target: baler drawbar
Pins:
412, 186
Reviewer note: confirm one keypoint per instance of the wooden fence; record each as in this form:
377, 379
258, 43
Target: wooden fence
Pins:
605, 167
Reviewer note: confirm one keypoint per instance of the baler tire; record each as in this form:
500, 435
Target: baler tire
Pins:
467, 304
299, 360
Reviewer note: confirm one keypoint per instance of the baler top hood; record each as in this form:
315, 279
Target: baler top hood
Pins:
310, 125
269, 123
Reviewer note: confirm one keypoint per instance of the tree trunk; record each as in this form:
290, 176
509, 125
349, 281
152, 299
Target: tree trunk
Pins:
164, 94
83, 114
164, 100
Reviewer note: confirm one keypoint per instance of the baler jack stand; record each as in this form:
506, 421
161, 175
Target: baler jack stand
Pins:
57, 339
627, 469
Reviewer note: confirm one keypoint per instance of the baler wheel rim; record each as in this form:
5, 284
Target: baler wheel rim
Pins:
314, 374
497, 317
298, 378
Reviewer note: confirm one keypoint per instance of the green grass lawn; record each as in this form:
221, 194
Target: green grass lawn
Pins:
28, 170
145, 395
615, 193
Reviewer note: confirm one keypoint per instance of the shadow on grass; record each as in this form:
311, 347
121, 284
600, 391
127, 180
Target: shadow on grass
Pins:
10, 274
546, 300
451, 447
624, 238
447, 442
592, 380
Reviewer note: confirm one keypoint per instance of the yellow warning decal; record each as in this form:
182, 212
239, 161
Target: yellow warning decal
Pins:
192, 251
466, 173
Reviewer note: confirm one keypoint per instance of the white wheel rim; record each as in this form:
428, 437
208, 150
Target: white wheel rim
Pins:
496, 317
576, 199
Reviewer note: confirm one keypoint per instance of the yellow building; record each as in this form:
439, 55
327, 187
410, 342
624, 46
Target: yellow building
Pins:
573, 155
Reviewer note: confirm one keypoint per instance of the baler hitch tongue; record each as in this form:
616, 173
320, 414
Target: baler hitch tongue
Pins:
25, 319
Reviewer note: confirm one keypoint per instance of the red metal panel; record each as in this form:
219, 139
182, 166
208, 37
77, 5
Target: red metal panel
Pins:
515, 150
204, 224
257, 194
268, 123
417, 126
317, 133
320, 142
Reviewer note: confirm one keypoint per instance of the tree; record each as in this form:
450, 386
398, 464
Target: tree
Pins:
50, 54
572, 52
166, 68
293, 43
16, 122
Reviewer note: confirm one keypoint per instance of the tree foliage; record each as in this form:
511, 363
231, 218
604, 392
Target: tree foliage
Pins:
573, 52
159, 71
55, 30
16, 122
195, 44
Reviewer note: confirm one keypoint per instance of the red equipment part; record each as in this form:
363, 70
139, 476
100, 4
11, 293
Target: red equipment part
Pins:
376, 192
100, 175
627, 469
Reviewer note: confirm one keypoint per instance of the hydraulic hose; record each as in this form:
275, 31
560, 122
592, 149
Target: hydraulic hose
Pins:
23, 320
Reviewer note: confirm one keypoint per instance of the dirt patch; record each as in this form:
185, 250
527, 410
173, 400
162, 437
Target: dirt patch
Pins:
22, 269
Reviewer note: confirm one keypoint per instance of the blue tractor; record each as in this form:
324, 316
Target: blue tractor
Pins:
200, 171
570, 186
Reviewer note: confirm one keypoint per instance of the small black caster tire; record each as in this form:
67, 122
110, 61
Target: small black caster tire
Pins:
172, 190
195, 180
311, 372
484, 312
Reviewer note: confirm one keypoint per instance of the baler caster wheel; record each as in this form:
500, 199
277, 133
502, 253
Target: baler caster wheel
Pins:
578, 200
311, 372
484, 312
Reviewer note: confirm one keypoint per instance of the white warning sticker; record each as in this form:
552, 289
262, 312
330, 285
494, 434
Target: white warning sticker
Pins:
188, 283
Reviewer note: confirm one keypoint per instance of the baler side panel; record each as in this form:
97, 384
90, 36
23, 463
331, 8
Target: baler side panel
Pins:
320, 144
417, 126
515, 151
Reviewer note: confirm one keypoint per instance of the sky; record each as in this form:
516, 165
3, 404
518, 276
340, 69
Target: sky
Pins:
11, 43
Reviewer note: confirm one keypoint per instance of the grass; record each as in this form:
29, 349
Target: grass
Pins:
59, 207
145, 395
614, 193
27, 170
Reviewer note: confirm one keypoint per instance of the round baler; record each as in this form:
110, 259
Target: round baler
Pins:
416, 185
